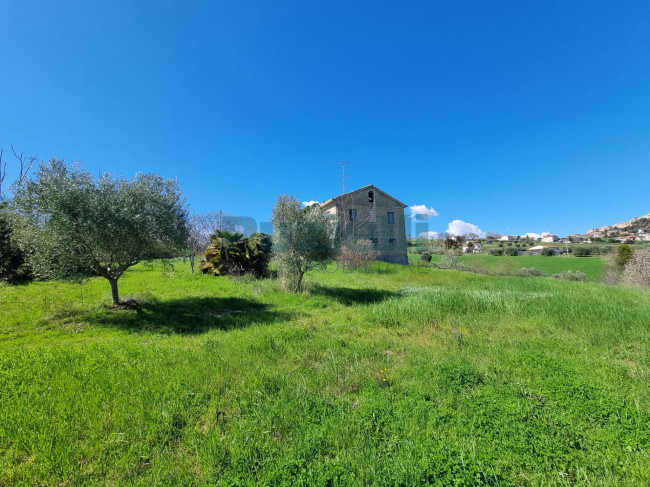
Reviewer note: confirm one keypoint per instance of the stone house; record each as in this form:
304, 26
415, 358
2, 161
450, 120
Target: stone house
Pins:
370, 218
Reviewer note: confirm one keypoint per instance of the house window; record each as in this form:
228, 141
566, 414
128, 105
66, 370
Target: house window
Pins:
353, 215
371, 196
392, 240
391, 217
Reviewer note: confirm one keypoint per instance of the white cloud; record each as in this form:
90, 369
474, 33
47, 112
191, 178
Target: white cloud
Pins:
459, 227
305, 204
423, 211
429, 235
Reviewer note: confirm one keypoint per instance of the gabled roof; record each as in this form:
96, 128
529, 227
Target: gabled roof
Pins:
365, 188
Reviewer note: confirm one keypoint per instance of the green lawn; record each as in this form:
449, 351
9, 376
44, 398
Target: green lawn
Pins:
400, 376
592, 266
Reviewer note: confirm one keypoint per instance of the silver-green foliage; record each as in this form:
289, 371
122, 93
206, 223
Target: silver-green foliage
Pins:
302, 239
70, 223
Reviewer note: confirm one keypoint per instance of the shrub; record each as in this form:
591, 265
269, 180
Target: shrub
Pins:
500, 244
496, 251
623, 255
571, 276
637, 270
512, 251
582, 251
12, 259
548, 252
359, 256
450, 260
231, 254
425, 256
530, 272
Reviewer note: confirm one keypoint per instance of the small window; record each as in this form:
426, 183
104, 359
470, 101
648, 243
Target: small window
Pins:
392, 240
391, 217
371, 196
353, 215
374, 240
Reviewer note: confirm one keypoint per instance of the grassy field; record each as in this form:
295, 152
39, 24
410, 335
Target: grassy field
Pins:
399, 376
592, 266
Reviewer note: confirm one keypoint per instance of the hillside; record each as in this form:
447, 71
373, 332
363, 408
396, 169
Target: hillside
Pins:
629, 226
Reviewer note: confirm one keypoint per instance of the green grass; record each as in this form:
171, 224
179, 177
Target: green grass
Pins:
400, 376
592, 266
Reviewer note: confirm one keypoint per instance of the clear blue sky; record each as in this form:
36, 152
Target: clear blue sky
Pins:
514, 116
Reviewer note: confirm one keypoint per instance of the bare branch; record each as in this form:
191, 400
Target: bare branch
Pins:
25, 165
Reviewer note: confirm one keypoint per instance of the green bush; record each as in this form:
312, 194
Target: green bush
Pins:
12, 262
425, 256
512, 251
530, 272
548, 252
496, 251
231, 254
623, 255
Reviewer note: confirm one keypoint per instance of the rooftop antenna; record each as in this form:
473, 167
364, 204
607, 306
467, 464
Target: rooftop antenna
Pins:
342, 164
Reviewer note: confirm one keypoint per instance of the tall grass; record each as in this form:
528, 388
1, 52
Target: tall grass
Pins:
390, 376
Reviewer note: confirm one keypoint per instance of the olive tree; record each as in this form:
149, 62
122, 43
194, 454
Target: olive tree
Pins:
302, 239
71, 224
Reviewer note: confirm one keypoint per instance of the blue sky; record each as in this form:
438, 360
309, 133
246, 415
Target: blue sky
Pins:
513, 116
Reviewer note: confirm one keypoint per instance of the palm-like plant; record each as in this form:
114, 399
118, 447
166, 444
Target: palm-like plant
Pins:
232, 254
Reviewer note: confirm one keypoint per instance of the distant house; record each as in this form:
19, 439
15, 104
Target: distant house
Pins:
474, 248
550, 238
538, 249
580, 237
565, 239
372, 218
627, 238
507, 238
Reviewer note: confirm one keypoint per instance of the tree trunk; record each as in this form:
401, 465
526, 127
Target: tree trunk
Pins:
299, 283
114, 293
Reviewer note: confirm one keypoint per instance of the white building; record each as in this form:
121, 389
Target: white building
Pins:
507, 238
550, 239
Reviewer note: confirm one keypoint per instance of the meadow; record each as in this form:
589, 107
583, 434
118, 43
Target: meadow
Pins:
390, 376
592, 266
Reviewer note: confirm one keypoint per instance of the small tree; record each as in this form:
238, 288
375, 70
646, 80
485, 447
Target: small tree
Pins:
71, 224
302, 239
623, 255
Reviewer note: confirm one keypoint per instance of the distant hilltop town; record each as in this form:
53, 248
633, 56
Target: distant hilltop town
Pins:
635, 229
